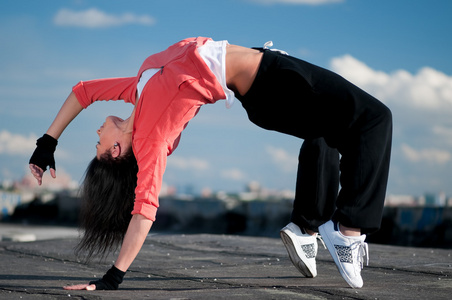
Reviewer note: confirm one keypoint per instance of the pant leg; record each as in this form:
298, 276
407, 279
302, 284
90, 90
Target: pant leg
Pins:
317, 184
366, 151
297, 98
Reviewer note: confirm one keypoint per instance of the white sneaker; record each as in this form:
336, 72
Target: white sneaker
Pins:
346, 251
302, 249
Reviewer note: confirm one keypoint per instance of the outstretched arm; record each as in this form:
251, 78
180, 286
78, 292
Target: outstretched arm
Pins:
133, 241
82, 95
137, 231
70, 109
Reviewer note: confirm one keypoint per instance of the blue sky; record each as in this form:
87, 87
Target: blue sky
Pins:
399, 51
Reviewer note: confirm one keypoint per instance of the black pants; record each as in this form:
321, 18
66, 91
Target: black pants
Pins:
334, 117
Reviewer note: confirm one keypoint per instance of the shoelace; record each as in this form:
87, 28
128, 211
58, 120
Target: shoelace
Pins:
363, 250
319, 237
269, 44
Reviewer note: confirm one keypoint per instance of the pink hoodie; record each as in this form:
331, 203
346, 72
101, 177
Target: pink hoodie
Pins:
170, 99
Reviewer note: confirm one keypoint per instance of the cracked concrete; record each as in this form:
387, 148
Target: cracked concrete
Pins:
206, 266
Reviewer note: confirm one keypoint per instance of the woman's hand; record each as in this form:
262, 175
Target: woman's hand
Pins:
85, 286
37, 172
133, 241
110, 281
43, 157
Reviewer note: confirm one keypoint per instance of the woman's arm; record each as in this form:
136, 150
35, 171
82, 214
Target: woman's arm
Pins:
136, 234
69, 110
83, 94
133, 241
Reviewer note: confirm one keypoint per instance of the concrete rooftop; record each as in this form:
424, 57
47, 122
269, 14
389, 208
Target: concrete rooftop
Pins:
206, 266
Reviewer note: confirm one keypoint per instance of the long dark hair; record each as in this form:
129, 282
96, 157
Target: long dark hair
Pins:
107, 197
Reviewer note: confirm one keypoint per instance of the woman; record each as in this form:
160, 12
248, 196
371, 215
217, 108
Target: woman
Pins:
279, 92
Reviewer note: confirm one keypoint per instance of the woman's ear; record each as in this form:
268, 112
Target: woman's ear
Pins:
116, 152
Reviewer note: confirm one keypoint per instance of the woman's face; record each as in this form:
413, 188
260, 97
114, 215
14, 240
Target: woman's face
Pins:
109, 134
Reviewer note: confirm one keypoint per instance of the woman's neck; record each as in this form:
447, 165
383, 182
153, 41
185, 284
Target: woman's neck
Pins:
128, 123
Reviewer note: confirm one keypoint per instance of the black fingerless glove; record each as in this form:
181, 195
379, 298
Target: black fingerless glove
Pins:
43, 154
111, 279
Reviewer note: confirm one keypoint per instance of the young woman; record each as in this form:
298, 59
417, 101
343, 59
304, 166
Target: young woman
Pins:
279, 92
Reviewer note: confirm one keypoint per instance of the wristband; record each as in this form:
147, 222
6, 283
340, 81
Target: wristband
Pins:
111, 280
47, 142
43, 154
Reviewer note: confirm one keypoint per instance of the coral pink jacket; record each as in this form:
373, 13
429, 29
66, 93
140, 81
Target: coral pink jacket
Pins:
170, 99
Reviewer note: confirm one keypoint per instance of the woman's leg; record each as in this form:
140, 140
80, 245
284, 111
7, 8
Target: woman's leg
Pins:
297, 98
366, 151
294, 97
317, 184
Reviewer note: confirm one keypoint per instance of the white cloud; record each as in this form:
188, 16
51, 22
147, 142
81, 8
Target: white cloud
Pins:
94, 18
15, 144
282, 159
429, 155
19, 145
188, 163
428, 89
298, 2
234, 174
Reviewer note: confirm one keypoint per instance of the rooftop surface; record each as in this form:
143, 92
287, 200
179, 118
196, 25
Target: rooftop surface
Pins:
206, 266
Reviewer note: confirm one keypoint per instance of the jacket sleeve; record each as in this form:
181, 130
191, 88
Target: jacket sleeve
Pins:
151, 158
123, 88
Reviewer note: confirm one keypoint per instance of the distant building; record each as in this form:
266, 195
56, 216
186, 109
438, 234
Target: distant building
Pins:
401, 200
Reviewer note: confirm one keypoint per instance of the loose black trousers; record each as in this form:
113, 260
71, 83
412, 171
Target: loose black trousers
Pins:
336, 119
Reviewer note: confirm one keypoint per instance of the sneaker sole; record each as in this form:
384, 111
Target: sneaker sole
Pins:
332, 250
293, 255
